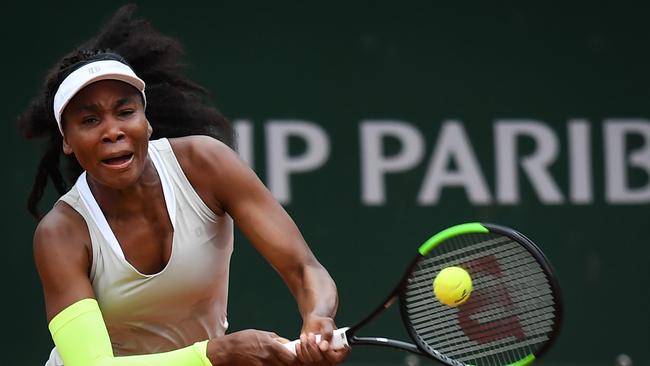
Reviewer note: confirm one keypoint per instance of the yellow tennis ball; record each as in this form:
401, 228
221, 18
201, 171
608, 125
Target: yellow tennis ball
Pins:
452, 286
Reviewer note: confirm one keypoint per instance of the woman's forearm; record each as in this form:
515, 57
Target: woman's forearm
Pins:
316, 292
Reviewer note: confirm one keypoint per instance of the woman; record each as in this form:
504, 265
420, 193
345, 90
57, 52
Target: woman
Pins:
134, 257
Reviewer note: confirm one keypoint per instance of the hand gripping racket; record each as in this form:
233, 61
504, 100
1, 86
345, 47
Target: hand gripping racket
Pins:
511, 317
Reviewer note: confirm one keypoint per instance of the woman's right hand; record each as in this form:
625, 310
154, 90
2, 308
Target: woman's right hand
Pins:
251, 348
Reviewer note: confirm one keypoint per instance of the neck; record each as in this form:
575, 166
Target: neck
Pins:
136, 199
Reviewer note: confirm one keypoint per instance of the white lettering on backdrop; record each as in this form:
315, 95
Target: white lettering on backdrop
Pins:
453, 162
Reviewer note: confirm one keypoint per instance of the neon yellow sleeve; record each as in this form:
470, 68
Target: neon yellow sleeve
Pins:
81, 338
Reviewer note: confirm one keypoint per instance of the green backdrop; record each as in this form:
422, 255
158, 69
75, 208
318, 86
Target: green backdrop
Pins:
340, 66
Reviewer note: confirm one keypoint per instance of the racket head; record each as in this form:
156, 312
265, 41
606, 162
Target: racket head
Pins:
513, 313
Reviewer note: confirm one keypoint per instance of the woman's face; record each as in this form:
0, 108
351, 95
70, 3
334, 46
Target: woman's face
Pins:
105, 127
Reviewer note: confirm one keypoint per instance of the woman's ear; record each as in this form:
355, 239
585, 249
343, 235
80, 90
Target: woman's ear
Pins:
67, 149
149, 129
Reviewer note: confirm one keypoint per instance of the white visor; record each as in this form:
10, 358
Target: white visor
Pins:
87, 74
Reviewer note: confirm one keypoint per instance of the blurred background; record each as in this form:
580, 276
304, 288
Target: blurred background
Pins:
377, 124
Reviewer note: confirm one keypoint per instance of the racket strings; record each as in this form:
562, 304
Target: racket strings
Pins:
541, 323
445, 332
424, 322
537, 289
509, 314
469, 330
429, 266
517, 272
495, 332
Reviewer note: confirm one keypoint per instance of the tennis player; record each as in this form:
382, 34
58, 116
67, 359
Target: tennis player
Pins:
134, 257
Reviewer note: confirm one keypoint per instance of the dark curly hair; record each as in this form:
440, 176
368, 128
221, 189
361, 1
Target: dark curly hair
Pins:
176, 106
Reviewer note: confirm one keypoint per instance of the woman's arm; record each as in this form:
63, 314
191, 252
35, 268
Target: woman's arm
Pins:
62, 253
228, 184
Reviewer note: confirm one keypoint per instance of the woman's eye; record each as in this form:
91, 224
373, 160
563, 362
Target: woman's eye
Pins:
89, 120
126, 112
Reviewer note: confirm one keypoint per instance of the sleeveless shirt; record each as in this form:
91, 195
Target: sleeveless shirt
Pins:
183, 303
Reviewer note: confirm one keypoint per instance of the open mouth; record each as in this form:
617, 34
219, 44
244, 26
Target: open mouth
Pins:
118, 161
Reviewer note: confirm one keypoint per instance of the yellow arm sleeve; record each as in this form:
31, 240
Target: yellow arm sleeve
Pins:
81, 339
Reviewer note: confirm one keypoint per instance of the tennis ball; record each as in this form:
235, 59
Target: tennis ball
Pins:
452, 286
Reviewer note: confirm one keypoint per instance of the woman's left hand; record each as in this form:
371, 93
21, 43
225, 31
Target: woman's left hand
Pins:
310, 352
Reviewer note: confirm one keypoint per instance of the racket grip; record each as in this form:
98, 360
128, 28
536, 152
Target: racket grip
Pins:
339, 340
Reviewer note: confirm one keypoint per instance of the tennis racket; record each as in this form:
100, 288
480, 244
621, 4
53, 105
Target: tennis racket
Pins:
511, 317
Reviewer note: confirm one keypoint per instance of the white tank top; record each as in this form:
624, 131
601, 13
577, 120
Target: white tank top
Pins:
183, 303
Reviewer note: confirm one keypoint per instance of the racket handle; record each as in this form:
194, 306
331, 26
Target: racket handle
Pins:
339, 340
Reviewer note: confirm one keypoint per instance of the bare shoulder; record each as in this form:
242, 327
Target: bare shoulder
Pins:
209, 165
61, 235
200, 149
62, 253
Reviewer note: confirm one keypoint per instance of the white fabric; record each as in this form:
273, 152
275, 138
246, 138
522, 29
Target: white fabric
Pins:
185, 301
55, 359
87, 74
